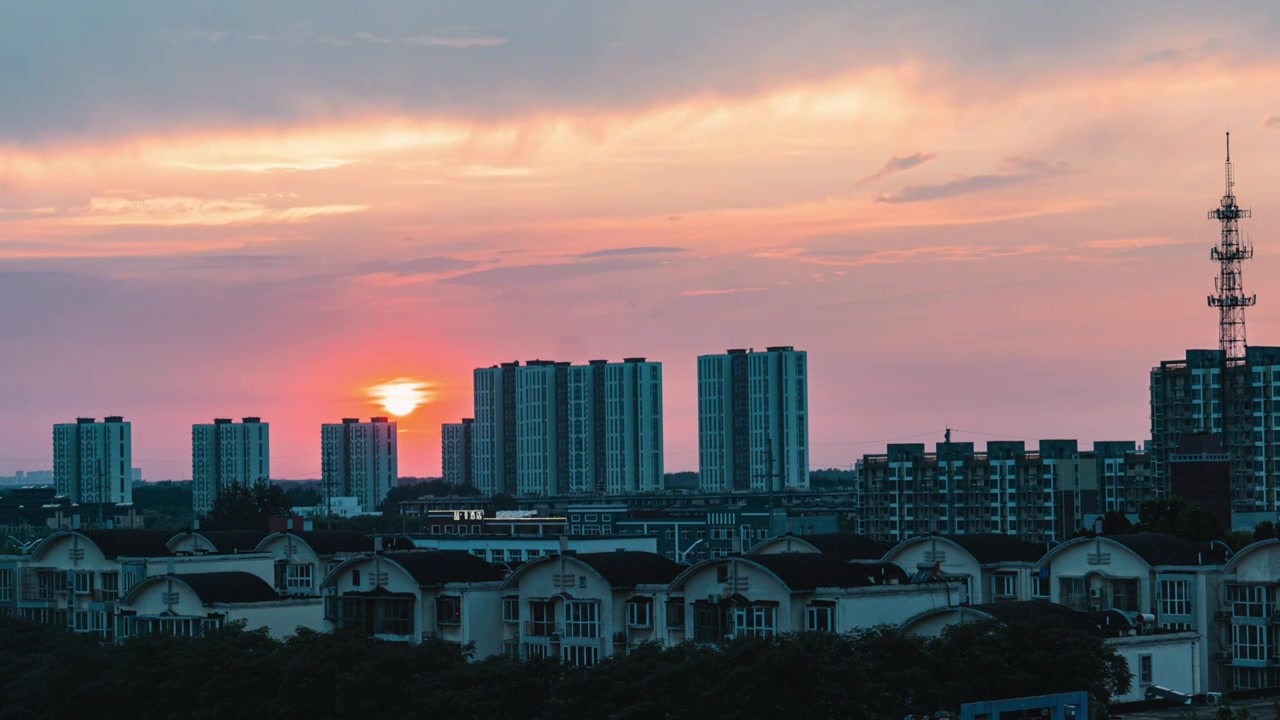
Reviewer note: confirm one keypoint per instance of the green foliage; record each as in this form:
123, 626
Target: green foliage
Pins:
1116, 523
1174, 516
1239, 539
832, 479
874, 674
1265, 530
240, 506
164, 505
503, 501
302, 494
413, 488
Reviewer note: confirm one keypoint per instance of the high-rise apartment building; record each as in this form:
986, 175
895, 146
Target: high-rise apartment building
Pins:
615, 427
455, 452
226, 452
1186, 399
551, 428
753, 420
493, 435
359, 459
93, 461
1042, 495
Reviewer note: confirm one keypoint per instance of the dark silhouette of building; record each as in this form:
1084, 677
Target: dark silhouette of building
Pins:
1200, 472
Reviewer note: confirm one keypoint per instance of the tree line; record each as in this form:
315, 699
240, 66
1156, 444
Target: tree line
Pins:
877, 674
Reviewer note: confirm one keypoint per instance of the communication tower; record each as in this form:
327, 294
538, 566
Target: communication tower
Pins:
1231, 302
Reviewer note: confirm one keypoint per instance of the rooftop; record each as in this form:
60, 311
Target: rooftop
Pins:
229, 587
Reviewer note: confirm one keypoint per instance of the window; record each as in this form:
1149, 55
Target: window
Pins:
448, 611
722, 574
1175, 598
355, 578
83, 581
510, 609
542, 619
675, 615
110, 586
1247, 600
1249, 642
511, 649
298, 579
581, 619
753, 620
1124, 595
820, 618
1003, 586
1071, 592
1144, 669
6, 585
640, 612
580, 655
1040, 586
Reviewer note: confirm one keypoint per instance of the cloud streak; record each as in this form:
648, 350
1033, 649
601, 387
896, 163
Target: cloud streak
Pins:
1020, 171
895, 165
641, 250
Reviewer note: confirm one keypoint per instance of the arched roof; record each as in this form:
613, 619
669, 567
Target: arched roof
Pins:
1230, 567
620, 569
328, 542
430, 568
1023, 612
215, 587
114, 543
1154, 549
798, 572
842, 546
226, 542
984, 548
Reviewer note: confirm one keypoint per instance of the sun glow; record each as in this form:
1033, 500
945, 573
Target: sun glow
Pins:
401, 396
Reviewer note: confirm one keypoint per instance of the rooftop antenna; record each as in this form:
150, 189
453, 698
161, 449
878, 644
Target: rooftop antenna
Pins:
1231, 301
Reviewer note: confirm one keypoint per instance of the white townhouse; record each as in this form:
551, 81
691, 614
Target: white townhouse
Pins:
304, 559
582, 607
1150, 580
412, 596
188, 604
842, 546
794, 592
75, 578
1247, 623
1155, 657
993, 567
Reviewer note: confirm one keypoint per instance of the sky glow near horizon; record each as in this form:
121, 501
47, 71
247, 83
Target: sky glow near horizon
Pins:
991, 217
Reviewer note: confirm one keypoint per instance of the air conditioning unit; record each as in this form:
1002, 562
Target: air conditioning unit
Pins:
555, 637
1223, 656
1095, 592
1095, 607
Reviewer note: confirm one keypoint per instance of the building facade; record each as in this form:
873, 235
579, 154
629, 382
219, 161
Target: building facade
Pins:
359, 460
93, 461
549, 428
226, 452
1186, 399
455, 452
615, 427
753, 426
1041, 495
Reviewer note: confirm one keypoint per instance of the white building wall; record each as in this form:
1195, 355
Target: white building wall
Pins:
488, 451
455, 452
1176, 663
93, 461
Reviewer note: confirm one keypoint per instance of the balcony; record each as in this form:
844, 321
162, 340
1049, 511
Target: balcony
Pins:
542, 629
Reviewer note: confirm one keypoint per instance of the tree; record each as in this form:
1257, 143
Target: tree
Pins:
503, 501
247, 506
1174, 516
1265, 530
1116, 523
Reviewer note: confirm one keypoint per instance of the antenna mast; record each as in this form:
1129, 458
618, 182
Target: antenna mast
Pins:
1231, 302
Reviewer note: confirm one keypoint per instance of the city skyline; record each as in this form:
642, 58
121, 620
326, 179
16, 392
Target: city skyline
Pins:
1000, 197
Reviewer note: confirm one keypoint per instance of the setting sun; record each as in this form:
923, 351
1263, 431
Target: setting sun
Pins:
401, 396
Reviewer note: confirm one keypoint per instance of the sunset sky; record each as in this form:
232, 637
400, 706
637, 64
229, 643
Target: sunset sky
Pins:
987, 215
